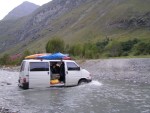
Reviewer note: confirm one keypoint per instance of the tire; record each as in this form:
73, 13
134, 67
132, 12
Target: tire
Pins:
19, 84
82, 81
25, 86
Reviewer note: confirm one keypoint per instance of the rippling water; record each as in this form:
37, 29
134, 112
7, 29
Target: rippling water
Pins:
96, 97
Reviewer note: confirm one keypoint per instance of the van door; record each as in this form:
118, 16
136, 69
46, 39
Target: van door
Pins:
39, 75
73, 73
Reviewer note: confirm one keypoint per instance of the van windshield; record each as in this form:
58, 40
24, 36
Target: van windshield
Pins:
39, 66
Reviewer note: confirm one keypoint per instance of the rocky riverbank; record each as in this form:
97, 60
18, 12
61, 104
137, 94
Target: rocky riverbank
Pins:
10, 68
135, 69
4, 110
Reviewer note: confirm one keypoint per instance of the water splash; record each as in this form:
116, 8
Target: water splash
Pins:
96, 83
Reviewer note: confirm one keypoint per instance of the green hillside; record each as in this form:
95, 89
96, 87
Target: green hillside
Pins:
90, 21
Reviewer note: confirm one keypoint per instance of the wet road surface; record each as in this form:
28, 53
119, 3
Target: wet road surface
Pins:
96, 97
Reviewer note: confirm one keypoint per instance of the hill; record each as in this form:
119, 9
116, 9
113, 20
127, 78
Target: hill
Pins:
24, 9
77, 21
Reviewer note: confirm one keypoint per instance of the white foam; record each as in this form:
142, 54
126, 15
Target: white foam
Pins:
96, 83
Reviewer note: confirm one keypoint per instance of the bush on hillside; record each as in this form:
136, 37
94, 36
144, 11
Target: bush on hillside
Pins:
5, 60
142, 48
101, 45
55, 45
122, 48
115, 50
76, 50
128, 45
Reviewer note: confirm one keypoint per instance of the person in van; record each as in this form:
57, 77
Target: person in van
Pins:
62, 72
55, 68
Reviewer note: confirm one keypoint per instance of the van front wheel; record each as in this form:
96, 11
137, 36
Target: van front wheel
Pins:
25, 86
82, 81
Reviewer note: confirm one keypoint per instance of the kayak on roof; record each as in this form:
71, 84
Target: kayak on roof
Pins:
55, 56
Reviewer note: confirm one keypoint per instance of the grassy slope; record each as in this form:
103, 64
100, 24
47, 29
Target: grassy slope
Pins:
90, 22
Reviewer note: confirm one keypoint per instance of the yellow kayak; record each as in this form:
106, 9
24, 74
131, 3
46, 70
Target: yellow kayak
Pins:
34, 56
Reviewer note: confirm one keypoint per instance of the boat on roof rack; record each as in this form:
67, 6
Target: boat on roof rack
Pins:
49, 56
35, 56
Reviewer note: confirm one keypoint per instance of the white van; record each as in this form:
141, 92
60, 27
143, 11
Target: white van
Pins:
46, 73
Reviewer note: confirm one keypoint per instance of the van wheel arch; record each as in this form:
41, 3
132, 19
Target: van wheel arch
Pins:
82, 81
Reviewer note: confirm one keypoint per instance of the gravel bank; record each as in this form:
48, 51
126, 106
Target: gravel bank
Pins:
15, 68
135, 69
3, 110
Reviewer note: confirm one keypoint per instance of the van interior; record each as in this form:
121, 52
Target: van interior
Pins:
57, 73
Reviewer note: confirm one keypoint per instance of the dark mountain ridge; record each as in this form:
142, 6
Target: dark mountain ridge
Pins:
22, 10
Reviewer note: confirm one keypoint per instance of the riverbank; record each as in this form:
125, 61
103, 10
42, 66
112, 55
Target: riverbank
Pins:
129, 69
4, 110
10, 68
133, 69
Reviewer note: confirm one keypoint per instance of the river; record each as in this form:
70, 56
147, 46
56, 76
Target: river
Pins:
99, 96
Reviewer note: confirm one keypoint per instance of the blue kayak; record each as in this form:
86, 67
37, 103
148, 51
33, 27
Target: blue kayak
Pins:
53, 56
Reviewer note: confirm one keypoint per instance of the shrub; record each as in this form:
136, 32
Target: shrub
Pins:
128, 45
142, 48
55, 45
101, 45
90, 50
115, 50
5, 60
76, 50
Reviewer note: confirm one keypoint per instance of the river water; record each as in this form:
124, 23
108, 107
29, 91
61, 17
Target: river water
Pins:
99, 96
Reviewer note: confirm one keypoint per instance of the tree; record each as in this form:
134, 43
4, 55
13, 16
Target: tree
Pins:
55, 45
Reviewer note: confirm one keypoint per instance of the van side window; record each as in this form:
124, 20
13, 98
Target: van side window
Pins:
22, 66
39, 66
72, 66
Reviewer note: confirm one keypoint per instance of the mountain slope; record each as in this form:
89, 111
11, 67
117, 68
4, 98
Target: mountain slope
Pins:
24, 9
77, 21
